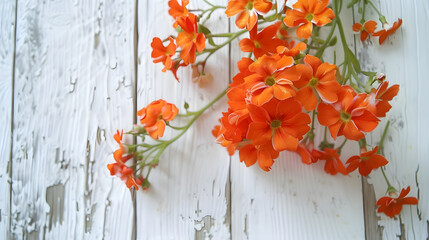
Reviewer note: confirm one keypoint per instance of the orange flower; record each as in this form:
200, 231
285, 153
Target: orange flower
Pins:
366, 29
366, 162
218, 134
232, 130
247, 11
176, 10
120, 154
333, 163
272, 77
264, 154
175, 65
190, 40
393, 206
348, 116
307, 12
280, 122
293, 51
306, 152
387, 31
163, 54
317, 78
379, 99
238, 104
125, 174
119, 168
154, 116
261, 43
243, 67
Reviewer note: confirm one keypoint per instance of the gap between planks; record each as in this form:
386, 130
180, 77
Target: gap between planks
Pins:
135, 48
368, 193
10, 168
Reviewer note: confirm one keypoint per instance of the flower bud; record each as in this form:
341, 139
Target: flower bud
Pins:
381, 77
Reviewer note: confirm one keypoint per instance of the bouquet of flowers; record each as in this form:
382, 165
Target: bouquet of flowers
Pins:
284, 86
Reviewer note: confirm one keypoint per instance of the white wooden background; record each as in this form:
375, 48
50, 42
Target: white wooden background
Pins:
72, 72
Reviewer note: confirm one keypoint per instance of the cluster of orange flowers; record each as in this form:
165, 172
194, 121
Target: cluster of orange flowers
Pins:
266, 116
189, 40
119, 168
153, 119
277, 94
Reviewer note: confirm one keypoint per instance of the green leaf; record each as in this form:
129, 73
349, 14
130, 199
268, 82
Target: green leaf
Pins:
352, 3
203, 29
206, 31
333, 41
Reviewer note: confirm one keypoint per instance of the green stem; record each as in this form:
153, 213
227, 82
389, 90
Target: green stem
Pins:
312, 120
375, 8
219, 35
390, 188
232, 37
327, 41
310, 134
342, 145
198, 114
208, 3
380, 145
362, 20
161, 147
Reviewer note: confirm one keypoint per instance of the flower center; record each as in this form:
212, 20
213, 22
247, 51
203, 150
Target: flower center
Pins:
257, 44
313, 82
364, 159
249, 5
270, 81
309, 17
345, 116
275, 124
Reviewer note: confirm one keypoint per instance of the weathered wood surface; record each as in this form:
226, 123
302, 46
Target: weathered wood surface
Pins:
74, 86
7, 47
189, 195
404, 59
82, 69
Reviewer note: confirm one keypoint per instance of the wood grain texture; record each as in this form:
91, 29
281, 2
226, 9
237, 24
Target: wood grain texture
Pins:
293, 200
403, 57
188, 197
7, 47
74, 86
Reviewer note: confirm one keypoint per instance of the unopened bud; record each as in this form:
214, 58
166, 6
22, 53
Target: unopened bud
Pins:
381, 77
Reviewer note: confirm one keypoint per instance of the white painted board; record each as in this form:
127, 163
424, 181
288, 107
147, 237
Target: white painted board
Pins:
7, 44
188, 195
74, 86
404, 59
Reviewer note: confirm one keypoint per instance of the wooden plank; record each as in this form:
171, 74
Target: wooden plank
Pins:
74, 86
7, 48
403, 58
188, 196
296, 201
